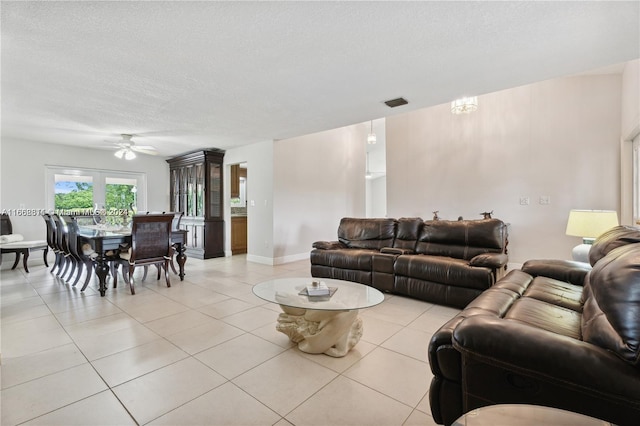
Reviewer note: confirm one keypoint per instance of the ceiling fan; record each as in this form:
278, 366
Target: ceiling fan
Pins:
127, 148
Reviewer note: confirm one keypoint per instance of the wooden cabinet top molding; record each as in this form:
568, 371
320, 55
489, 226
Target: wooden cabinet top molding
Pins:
197, 156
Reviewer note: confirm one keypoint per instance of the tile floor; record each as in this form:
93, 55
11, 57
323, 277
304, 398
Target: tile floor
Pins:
203, 352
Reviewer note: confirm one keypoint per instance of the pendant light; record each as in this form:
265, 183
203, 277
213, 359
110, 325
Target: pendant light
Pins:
371, 138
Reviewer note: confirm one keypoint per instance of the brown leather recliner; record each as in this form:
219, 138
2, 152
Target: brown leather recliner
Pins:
440, 261
554, 333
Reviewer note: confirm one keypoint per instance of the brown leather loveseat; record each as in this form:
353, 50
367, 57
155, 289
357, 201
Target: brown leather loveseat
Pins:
439, 261
555, 333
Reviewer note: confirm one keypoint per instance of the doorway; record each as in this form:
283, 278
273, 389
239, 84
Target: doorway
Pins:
238, 203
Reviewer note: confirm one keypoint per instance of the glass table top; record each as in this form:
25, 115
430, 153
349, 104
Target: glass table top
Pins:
525, 415
348, 296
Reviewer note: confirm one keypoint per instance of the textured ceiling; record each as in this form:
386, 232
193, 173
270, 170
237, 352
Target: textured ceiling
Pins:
187, 75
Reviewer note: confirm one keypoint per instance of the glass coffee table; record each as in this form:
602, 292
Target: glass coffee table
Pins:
525, 415
320, 324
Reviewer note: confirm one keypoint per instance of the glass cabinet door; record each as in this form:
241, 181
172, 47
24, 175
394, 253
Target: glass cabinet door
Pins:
215, 190
199, 188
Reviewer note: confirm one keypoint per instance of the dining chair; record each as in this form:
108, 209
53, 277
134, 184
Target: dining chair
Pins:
175, 226
56, 240
64, 262
83, 257
6, 228
150, 245
51, 238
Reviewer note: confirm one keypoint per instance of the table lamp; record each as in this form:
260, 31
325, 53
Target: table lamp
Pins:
589, 224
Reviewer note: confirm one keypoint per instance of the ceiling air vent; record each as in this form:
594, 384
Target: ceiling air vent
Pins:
396, 102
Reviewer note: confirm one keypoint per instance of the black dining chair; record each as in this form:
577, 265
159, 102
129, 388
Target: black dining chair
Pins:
64, 261
51, 238
6, 228
83, 257
175, 226
150, 245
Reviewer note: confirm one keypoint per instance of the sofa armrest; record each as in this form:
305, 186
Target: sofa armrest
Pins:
444, 360
547, 356
490, 260
328, 245
562, 270
396, 251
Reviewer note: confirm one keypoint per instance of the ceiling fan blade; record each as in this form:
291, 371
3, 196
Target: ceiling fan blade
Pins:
143, 151
149, 147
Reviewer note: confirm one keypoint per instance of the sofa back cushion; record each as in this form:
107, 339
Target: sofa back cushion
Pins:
611, 239
367, 233
408, 233
462, 239
611, 313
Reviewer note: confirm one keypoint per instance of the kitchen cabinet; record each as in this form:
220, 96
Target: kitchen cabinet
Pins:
237, 172
235, 181
196, 189
238, 234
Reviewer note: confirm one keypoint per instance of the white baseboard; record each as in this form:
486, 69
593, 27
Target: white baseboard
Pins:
277, 260
260, 259
291, 258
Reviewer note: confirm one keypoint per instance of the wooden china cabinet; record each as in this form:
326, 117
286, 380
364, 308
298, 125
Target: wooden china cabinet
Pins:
196, 189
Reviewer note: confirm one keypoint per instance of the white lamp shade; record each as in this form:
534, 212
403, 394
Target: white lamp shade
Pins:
590, 223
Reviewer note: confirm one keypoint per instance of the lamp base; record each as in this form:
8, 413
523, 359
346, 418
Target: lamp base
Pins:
580, 253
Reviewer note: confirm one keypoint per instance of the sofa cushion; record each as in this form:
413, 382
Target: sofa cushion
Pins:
462, 239
408, 233
556, 292
546, 316
357, 259
489, 260
611, 315
10, 238
444, 270
559, 269
367, 233
613, 238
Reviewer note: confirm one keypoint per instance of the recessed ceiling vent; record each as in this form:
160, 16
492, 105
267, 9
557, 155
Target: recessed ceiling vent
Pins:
396, 102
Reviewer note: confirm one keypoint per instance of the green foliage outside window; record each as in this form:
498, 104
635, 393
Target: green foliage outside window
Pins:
119, 197
81, 197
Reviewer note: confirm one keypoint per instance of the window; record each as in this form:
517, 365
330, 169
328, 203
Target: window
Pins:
120, 193
81, 189
73, 192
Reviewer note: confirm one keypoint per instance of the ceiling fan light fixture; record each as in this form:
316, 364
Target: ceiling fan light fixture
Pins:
119, 153
129, 155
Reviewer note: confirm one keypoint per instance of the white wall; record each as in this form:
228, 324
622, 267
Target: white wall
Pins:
376, 191
259, 159
376, 187
630, 128
23, 177
317, 180
631, 99
557, 138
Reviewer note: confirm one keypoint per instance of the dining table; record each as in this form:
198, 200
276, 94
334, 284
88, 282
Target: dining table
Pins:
104, 239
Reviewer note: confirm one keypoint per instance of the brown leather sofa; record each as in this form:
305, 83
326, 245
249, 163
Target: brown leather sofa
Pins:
439, 261
555, 333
